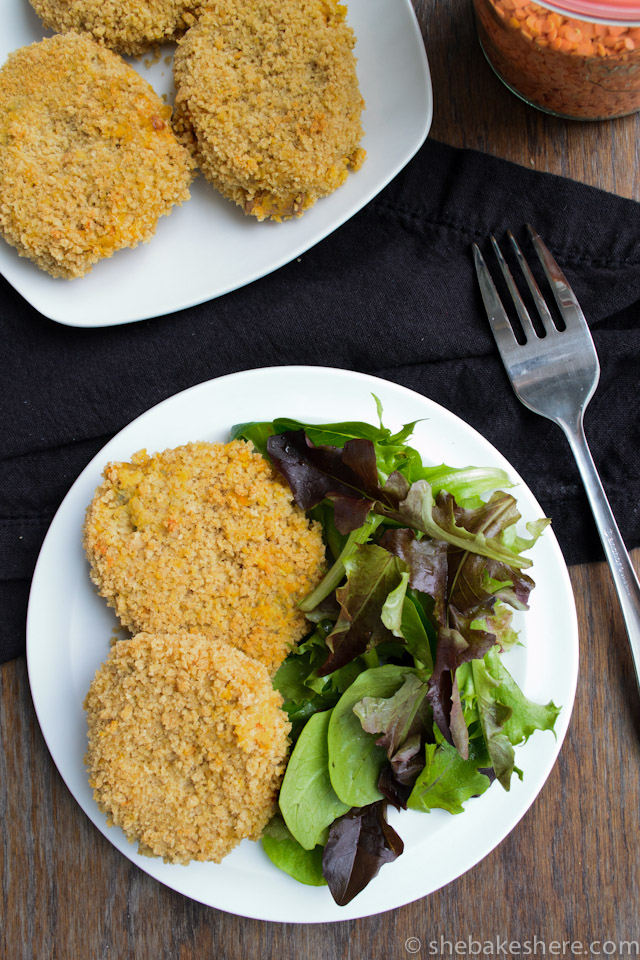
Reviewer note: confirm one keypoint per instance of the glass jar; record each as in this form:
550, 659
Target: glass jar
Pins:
577, 58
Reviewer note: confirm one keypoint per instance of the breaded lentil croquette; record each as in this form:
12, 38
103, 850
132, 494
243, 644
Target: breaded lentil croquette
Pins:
268, 100
187, 743
204, 538
88, 160
127, 26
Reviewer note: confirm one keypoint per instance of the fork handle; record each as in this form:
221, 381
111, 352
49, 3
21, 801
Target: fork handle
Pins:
624, 577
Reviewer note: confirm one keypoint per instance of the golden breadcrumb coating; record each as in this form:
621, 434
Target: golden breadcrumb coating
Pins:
187, 745
127, 26
268, 101
204, 538
88, 160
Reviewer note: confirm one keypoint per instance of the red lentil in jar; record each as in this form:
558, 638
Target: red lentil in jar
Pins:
584, 69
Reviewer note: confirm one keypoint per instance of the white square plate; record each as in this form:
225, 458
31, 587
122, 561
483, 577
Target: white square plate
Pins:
208, 246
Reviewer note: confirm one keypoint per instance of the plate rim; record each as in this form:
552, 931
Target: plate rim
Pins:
147, 864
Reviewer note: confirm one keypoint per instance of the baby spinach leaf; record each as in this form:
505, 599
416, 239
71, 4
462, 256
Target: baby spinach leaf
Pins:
359, 843
355, 760
308, 802
286, 853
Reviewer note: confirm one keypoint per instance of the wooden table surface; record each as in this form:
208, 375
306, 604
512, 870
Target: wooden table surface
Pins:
568, 872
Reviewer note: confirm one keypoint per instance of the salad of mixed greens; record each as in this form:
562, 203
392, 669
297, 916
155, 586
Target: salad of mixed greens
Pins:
398, 694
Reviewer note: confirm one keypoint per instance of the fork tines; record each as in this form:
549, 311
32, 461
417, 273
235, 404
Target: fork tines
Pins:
568, 305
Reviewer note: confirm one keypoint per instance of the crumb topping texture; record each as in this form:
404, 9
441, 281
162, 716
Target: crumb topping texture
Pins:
127, 26
204, 538
268, 101
187, 745
88, 159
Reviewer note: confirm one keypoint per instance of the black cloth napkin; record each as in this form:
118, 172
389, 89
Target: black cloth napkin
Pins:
392, 293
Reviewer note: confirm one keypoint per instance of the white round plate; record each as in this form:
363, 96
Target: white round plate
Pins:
69, 629
208, 247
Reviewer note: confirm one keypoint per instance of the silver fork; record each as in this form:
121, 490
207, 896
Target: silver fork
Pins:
556, 375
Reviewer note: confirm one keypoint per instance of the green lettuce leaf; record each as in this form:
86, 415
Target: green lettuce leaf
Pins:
447, 780
506, 716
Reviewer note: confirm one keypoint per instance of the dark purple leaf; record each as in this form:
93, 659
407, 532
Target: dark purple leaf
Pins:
427, 562
347, 475
393, 790
349, 513
359, 843
488, 772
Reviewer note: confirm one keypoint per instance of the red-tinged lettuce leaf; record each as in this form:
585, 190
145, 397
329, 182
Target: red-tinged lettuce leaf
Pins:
442, 519
427, 562
359, 843
498, 622
478, 580
391, 451
473, 579
405, 721
448, 780
372, 573
488, 620
453, 649
507, 717
457, 723
490, 518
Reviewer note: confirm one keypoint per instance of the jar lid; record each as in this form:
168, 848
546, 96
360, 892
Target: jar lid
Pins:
607, 11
